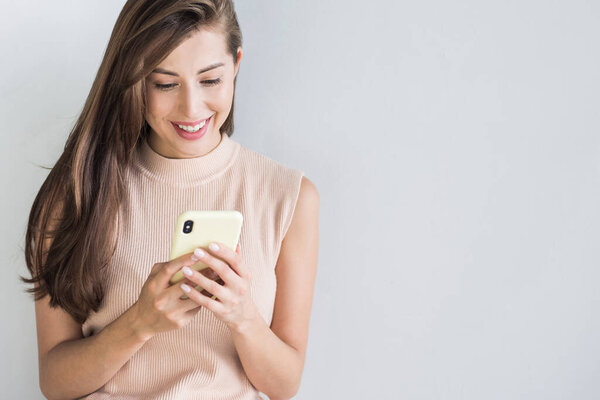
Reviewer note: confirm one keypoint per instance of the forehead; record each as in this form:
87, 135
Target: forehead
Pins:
203, 47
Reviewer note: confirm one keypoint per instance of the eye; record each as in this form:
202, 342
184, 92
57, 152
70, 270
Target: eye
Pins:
164, 87
211, 82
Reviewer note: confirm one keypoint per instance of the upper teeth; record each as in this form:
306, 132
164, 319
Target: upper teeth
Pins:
192, 128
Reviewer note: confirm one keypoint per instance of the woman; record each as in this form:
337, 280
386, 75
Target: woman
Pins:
153, 140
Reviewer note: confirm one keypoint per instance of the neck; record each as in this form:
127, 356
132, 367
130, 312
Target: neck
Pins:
189, 171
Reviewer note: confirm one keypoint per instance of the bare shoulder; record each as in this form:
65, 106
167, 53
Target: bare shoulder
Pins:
304, 222
308, 191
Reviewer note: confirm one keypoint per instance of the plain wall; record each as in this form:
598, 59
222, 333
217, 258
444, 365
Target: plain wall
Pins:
455, 148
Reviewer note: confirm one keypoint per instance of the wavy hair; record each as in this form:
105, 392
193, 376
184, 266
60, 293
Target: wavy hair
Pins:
73, 223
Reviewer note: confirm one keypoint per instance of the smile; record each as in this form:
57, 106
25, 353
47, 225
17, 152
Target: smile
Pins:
194, 128
192, 131
191, 126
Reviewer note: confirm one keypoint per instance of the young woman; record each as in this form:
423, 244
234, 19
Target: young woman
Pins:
153, 140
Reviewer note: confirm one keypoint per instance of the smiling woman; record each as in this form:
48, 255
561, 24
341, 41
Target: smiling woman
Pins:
182, 95
154, 140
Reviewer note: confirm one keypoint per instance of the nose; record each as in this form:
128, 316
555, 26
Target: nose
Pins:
191, 102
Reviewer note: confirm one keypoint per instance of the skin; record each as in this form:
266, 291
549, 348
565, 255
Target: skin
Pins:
192, 97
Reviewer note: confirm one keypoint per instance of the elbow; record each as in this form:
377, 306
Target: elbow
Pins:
288, 395
294, 386
42, 382
289, 387
292, 395
281, 397
294, 391
43, 390
46, 389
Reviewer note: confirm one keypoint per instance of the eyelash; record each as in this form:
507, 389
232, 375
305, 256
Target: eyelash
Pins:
211, 82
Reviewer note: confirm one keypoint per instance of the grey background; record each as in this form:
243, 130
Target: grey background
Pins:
455, 148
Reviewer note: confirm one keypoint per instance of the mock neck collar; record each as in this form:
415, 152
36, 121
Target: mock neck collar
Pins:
186, 171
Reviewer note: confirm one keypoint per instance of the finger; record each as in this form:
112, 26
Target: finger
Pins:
209, 273
196, 286
171, 267
204, 269
206, 292
222, 269
204, 301
207, 284
175, 293
234, 259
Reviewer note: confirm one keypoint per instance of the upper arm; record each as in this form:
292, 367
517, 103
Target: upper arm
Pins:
296, 271
54, 325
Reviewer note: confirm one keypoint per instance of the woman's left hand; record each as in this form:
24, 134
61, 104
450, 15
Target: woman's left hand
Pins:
233, 304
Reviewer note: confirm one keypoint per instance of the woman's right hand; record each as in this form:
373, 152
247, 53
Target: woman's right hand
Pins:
159, 307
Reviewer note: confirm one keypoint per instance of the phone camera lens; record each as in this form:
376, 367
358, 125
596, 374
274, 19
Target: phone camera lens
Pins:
187, 226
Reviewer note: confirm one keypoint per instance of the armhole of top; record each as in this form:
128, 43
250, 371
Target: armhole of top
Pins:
288, 218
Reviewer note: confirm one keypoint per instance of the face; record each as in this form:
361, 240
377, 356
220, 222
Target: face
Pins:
194, 83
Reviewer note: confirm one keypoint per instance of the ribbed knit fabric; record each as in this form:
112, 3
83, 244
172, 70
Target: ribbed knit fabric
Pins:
198, 361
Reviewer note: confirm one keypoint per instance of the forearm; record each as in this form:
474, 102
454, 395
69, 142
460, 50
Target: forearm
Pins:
75, 368
273, 366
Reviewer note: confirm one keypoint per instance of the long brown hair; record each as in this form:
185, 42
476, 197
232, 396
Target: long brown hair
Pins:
76, 208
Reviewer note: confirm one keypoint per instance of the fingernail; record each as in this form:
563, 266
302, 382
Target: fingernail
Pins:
213, 247
199, 253
187, 271
185, 288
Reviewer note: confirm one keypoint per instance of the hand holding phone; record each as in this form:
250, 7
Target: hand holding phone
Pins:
195, 229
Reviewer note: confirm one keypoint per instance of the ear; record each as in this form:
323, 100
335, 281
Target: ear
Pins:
240, 53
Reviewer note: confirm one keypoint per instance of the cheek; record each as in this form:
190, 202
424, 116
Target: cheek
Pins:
222, 104
158, 105
222, 99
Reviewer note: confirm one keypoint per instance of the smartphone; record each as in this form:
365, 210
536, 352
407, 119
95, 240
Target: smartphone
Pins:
195, 229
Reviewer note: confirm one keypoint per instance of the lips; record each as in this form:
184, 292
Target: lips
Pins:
190, 123
192, 135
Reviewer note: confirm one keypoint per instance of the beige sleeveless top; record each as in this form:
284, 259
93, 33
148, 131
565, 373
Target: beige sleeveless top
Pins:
198, 361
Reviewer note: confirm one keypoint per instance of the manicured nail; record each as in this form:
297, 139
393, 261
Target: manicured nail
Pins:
213, 247
186, 288
199, 253
187, 271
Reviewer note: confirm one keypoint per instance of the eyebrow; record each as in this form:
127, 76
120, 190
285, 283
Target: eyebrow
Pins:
164, 71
